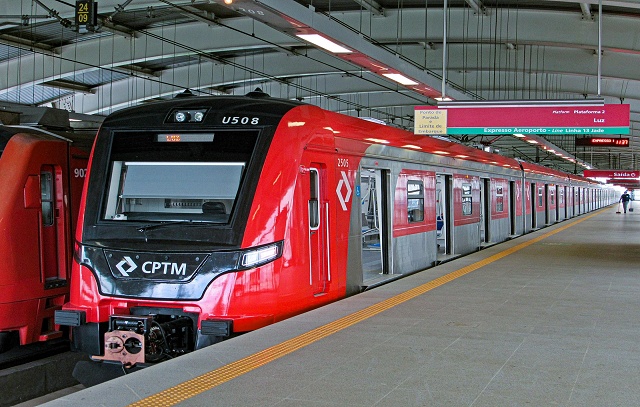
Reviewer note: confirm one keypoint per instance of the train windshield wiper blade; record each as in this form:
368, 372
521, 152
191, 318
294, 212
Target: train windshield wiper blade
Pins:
172, 223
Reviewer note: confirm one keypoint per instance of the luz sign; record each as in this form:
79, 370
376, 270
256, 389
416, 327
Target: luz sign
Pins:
522, 119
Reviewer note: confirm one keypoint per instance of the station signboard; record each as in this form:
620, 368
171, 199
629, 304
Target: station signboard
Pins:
611, 174
521, 119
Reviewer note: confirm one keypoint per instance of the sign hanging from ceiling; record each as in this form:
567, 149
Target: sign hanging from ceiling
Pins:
621, 174
602, 142
543, 120
86, 15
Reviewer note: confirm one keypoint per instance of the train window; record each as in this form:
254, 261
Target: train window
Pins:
467, 201
499, 199
314, 192
540, 195
552, 196
46, 193
415, 201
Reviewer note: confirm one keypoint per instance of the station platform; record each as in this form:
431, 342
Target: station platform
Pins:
549, 318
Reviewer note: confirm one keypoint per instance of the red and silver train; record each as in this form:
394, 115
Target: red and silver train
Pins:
207, 217
41, 180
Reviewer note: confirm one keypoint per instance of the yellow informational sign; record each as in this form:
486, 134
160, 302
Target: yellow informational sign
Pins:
430, 121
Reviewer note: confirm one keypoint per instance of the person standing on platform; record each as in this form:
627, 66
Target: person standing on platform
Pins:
625, 199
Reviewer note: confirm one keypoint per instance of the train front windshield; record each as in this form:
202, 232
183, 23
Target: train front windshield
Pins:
193, 177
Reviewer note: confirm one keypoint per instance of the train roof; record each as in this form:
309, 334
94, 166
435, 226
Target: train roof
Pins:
82, 139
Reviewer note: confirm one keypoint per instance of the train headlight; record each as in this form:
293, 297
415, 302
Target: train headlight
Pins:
261, 255
186, 115
181, 117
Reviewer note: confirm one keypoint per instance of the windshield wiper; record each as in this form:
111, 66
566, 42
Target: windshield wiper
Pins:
146, 228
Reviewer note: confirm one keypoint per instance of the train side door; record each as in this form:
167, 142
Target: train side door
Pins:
53, 233
444, 218
485, 210
548, 203
319, 241
512, 208
534, 208
374, 199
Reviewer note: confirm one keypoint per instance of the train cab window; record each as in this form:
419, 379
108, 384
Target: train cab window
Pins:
46, 193
415, 201
499, 199
467, 201
187, 177
172, 191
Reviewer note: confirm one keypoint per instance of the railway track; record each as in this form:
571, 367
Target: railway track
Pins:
20, 355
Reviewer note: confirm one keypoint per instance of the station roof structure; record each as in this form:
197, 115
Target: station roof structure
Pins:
131, 52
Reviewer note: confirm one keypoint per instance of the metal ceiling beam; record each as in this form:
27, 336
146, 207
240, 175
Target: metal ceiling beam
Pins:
283, 79
372, 6
99, 53
477, 6
26, 45
586, 11
320, 23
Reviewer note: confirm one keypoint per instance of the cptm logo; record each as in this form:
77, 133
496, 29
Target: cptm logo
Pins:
126, 266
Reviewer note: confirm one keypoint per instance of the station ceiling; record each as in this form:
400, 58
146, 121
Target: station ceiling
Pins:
141, 51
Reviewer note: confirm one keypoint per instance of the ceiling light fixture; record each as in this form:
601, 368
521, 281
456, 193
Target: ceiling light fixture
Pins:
401, 79
324, 43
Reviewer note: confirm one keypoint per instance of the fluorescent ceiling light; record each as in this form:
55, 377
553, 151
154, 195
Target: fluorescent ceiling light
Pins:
401, 79
444, 99
322, 42
518, 135
531, 141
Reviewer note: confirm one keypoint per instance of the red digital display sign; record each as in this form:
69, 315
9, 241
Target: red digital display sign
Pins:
602, 142
185, 138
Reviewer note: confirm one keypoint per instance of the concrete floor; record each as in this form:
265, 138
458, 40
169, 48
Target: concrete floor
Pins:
556, 322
